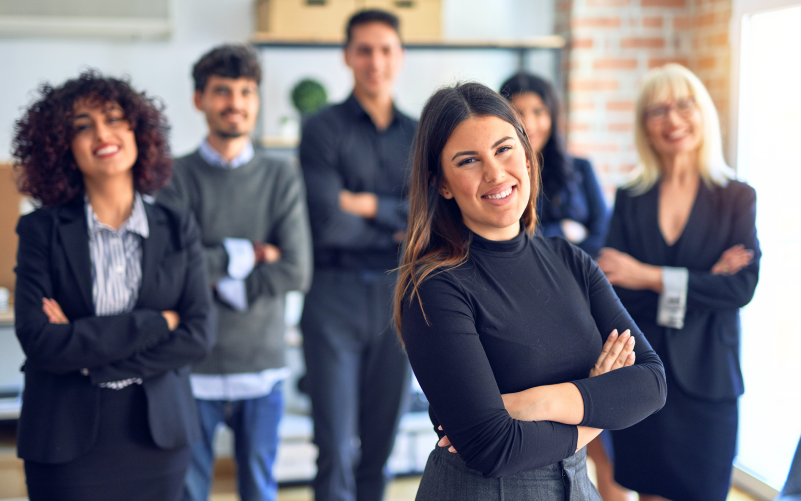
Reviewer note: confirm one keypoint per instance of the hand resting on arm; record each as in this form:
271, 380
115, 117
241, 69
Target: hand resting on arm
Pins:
563, 403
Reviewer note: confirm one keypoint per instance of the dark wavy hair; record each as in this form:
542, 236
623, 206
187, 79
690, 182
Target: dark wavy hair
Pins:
227, 61
557, 168
43, 160
437, 238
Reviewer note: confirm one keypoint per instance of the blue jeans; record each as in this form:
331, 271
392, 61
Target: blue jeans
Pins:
255, 426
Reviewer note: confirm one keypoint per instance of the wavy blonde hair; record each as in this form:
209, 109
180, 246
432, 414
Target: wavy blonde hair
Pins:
671, 82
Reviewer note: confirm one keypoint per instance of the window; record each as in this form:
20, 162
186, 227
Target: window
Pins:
768, 158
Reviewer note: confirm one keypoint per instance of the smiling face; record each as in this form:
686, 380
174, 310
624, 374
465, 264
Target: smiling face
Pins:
231, 106
103, 144
375, 56
536, 118
674, 126
485, 169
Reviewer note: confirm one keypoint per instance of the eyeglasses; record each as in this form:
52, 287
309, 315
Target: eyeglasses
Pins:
683, 107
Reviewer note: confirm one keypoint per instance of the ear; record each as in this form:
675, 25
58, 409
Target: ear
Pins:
346, 56
445, 191
198, 100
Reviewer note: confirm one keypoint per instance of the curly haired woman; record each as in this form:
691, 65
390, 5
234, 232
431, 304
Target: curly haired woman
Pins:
111, 298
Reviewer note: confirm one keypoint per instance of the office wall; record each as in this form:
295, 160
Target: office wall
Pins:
613, 43
163, 67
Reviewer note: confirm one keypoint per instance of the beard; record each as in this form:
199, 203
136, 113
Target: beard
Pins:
230, 132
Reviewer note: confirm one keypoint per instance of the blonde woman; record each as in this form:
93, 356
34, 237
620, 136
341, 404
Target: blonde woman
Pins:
683, 255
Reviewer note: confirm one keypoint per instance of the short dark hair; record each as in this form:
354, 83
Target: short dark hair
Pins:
228, 61
42, 151
371, 16
557, 169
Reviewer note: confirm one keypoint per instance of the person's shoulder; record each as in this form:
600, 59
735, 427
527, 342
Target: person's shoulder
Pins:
329, 116
182, 222
559, 248
284, 170
582, 165
739, 188
39, 217
406, 120
557, 245
186, 164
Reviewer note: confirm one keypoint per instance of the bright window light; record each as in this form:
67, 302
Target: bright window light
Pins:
769, 160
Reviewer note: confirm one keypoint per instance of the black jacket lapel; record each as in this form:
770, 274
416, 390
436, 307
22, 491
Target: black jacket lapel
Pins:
74, 235
153, 248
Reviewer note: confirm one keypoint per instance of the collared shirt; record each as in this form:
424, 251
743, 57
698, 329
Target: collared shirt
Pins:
231, 289
213, 156
341, 149
116, 256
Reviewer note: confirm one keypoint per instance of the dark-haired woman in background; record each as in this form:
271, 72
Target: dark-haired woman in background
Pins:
506, 331
111, 300
571, 204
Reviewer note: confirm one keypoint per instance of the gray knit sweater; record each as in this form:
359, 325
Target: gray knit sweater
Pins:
263, 200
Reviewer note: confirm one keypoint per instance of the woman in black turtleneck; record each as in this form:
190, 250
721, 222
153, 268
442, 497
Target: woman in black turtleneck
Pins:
505, 331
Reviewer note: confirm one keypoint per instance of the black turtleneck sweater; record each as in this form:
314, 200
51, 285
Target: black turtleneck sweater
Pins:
518, 314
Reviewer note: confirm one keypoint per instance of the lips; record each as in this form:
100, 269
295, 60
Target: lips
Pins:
106, 150
677, 135
500, 195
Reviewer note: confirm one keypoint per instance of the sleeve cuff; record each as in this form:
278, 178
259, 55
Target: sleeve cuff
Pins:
232, 292
673, 300
241, 257
588, 406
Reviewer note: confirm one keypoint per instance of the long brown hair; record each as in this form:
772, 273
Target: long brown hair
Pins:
437, 238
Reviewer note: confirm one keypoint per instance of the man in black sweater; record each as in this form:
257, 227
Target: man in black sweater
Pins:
355, 159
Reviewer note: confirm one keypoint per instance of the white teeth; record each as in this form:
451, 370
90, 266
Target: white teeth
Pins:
107, 150
677, 135
500, 195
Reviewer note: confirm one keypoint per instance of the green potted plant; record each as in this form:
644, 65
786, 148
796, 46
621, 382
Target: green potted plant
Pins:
308, 96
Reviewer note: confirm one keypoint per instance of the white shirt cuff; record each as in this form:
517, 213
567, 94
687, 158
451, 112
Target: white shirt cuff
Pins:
673, 300
241, 257
232, 292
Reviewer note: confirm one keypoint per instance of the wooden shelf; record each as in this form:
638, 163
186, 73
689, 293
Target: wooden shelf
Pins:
551, 42
278, 142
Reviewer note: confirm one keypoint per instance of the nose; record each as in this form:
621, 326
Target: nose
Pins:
102, 130
237, 101
493, 171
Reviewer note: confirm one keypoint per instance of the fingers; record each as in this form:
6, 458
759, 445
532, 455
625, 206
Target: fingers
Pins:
616, 349
625, 358
733, 260
615, 354
444, 442
53, 311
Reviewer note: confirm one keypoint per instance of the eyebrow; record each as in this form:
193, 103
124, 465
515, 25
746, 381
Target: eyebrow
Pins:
461, 153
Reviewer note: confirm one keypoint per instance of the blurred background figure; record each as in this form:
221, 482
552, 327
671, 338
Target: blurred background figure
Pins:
111, 299
355, 159
256, 248
682, 251
571, 203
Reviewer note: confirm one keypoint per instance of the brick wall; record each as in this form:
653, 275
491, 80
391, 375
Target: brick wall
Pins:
612, 43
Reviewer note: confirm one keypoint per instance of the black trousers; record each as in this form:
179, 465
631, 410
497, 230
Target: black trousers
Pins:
358, 378
124, 464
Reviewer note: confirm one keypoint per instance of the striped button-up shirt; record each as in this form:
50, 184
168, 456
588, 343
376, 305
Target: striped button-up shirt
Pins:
116, 257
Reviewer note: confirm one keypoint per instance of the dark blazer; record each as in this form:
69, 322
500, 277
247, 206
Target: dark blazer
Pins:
704, 356
60, 406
